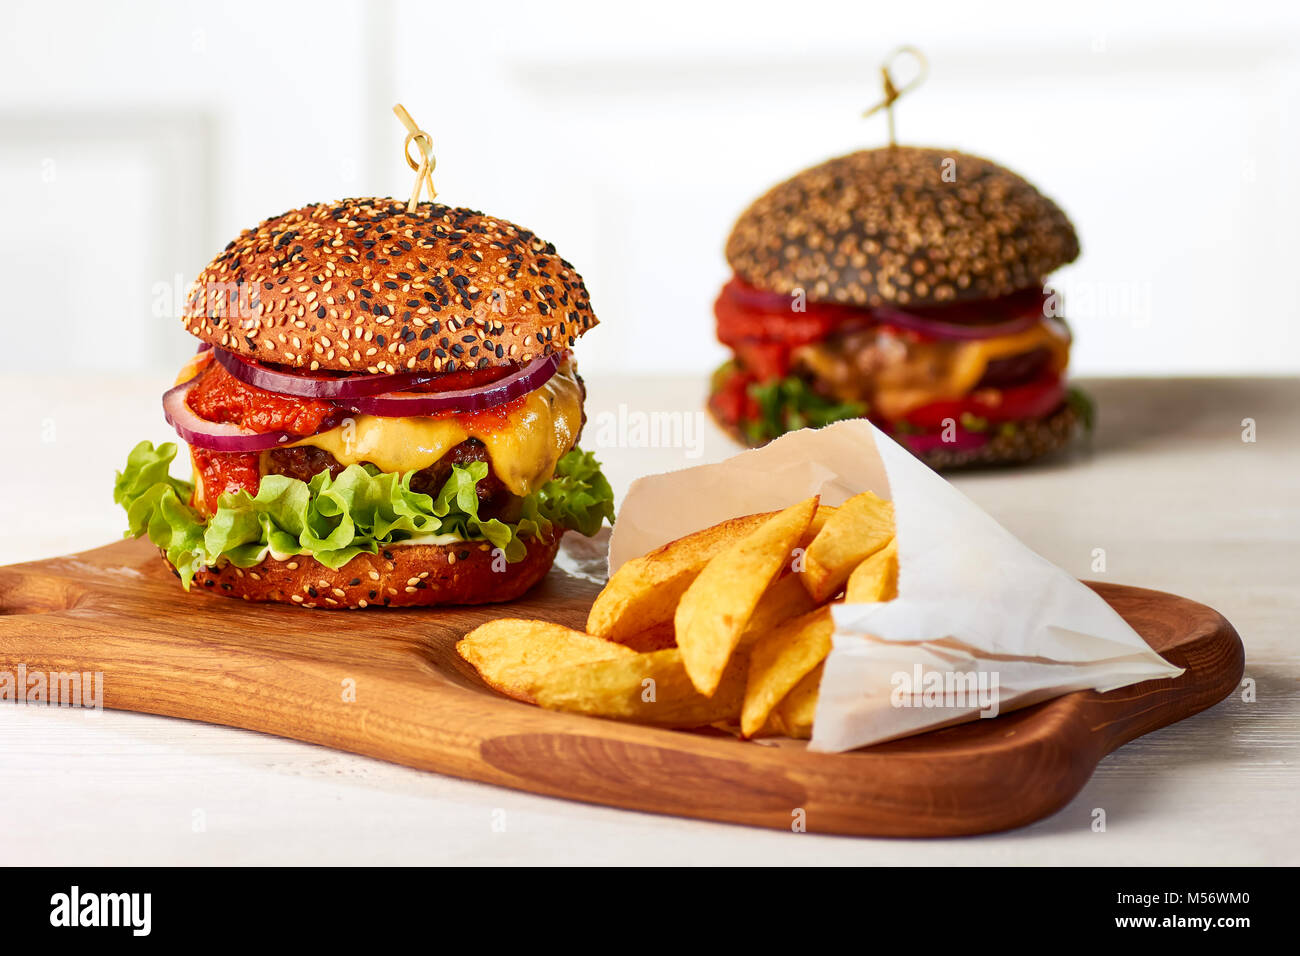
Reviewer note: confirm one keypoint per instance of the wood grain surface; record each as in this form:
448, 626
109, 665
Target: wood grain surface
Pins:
390, 685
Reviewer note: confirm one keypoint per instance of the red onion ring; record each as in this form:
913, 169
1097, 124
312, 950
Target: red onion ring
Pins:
760, 300
952, 330
317, 386
219, 436
962, 441
385, 394
398, 404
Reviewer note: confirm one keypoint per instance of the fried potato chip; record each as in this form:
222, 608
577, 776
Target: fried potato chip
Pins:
793, 717
647, 688
644, 592
513, 655
779, 661
860, 527
717, 606
876, 578
785, 599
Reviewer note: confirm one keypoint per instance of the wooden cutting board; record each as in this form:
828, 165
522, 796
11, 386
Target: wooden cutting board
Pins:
286, 671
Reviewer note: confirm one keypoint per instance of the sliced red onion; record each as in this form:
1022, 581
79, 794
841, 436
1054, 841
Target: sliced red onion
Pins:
761, 300
317, 386
962, 441
749, 297
399, 404
219, 436
954, 330
344, 388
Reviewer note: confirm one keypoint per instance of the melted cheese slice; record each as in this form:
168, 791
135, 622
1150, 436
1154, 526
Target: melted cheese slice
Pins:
523, 444
973, 358
952, 371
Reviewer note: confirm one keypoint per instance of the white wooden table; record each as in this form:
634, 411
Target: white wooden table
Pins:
1171, 492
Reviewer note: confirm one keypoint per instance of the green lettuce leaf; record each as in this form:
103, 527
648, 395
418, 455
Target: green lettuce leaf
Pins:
335, 519
790, 403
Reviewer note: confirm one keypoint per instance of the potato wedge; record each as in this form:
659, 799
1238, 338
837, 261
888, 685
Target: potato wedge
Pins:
876, 578
717, 606
780, 661
793, 717
647, 688
644, 592
786, 598
656, 638
513, 656
818, 522
860, 527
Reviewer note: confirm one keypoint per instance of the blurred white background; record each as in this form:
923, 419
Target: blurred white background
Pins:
136, 140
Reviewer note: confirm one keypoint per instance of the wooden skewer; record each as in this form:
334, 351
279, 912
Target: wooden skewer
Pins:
892, 92
424, 168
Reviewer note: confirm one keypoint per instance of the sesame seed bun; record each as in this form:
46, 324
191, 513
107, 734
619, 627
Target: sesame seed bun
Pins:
886, 226
410, 576
364, 286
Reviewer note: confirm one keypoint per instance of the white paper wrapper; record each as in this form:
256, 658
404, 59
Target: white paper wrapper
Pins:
975, 608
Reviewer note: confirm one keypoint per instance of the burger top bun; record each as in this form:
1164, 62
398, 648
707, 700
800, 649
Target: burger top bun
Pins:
904, 226
364, 286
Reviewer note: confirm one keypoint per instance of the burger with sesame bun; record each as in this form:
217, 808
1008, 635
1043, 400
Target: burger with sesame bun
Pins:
903, 285
384, 410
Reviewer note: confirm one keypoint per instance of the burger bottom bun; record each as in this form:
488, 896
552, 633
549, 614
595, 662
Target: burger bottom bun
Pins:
1033, 438
467, 572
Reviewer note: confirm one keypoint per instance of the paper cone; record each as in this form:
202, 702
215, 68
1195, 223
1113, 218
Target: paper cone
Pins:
984, 622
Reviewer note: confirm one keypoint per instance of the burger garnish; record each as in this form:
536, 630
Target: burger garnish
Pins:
876, 286
402, 397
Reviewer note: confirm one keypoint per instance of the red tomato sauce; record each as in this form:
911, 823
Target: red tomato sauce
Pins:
220, 397
221, 471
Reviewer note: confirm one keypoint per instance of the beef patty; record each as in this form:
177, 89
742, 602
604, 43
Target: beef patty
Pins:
305, 462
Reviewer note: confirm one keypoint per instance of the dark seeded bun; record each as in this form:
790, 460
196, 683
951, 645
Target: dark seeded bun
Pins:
882, 226
1033, 438
413, 576
364, 286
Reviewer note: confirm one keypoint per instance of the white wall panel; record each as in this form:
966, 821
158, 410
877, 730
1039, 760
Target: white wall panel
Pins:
632, 135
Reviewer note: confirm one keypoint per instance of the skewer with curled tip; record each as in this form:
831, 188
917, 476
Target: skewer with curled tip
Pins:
893, 92
424, 168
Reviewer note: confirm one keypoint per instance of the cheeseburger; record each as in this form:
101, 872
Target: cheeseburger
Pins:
384, 411
903, 285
